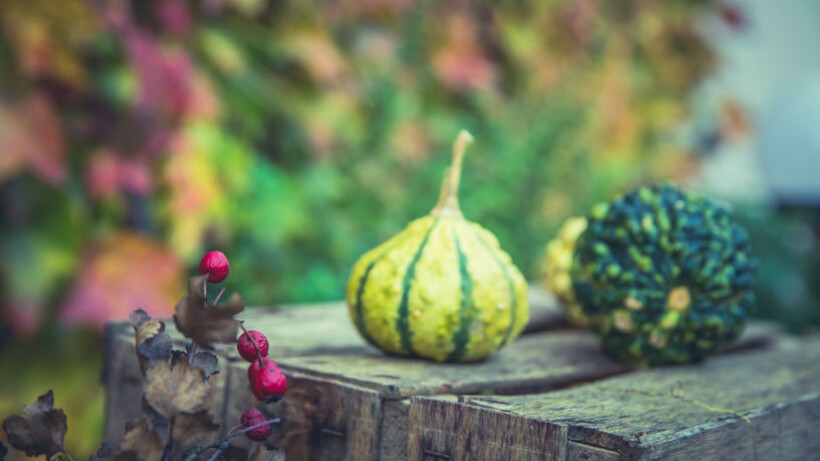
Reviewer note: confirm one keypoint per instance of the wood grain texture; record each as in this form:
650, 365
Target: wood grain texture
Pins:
692, 412
535, 362
446, 431
321, 420
123, 383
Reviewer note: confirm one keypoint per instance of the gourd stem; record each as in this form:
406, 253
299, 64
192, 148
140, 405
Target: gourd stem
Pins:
448, 199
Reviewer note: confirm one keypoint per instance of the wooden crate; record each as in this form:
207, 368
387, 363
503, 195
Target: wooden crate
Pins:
758, 405
346, 400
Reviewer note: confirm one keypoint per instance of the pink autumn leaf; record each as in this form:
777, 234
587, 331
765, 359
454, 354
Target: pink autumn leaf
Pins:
163, 75
110, 174
102, 175
125, 272
23, 316
175, 16
460, 63
32, 138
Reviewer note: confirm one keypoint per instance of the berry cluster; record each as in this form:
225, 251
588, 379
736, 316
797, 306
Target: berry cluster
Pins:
266, 379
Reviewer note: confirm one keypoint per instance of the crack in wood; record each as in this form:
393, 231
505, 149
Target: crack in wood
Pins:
435, 454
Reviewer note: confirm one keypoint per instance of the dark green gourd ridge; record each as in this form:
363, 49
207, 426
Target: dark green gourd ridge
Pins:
403, 319
466, 311
360, 293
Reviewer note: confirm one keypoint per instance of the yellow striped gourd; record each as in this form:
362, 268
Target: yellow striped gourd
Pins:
441, 289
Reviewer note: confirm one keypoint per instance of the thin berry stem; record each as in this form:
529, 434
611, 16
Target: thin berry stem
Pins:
219, 295
253, 341
205, 287
226, 440
224, 446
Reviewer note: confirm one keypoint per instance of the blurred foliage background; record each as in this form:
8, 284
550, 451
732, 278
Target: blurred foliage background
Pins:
294, 136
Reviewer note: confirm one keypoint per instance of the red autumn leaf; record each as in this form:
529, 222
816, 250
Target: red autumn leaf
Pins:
32, 139
124, 272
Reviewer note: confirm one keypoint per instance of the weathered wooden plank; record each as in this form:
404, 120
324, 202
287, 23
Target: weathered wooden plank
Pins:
577, 451
546, 312
123, 391
455, 432
321, 420
539, 362
534, 363
323, 356
760, 404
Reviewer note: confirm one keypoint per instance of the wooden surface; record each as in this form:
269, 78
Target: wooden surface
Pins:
348, 401
536, 362
761, 404
322, 330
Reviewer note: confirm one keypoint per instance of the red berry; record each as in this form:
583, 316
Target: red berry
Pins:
252, 417
215, 264
245, 346
267, 380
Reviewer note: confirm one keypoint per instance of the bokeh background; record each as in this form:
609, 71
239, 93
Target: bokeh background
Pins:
137, 134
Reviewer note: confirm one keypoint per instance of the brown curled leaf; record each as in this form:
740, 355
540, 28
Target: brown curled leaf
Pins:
105, 453
204, 360
263, 453
40, 430
173, 389
152, 343
156, 421
207, 325
195, 429
140, 443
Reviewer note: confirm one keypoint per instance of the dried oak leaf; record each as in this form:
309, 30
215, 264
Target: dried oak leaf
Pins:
207, 325
158, 422
175, 388
204, 360
153, 344
41, 429
263, 453
105, 453
140, 443
194, 429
